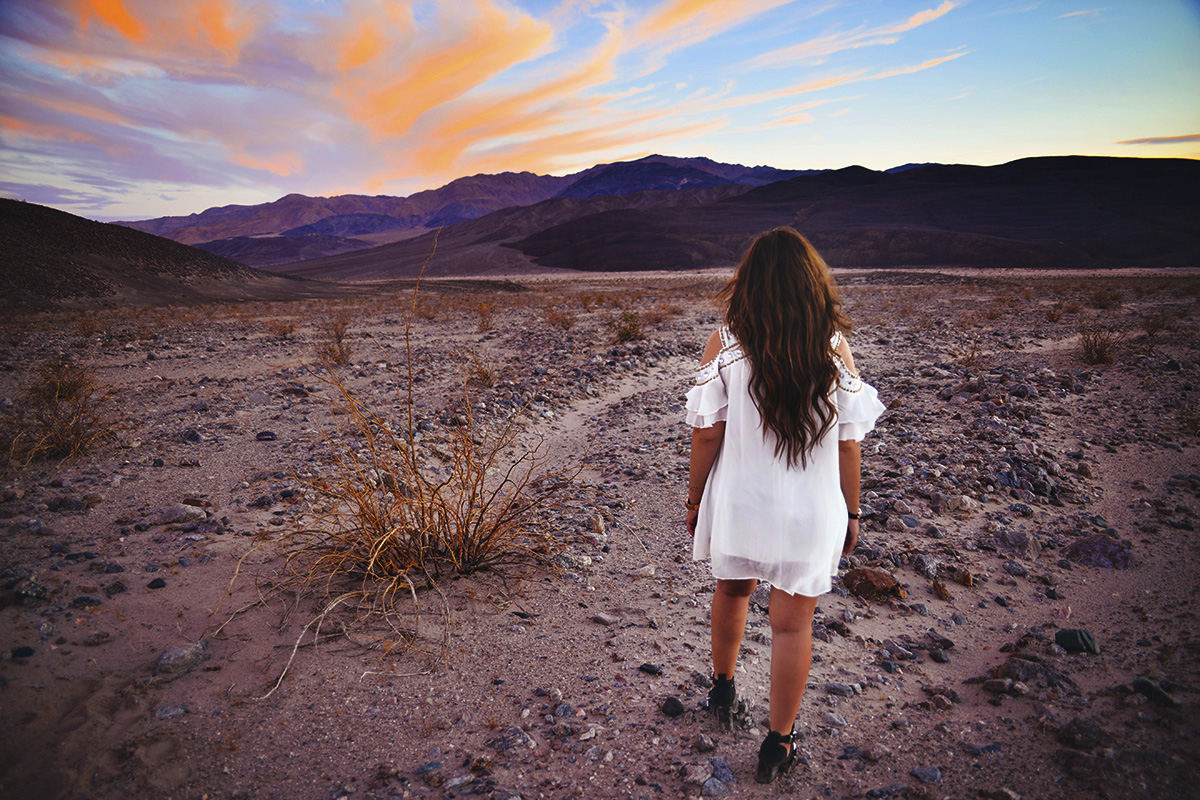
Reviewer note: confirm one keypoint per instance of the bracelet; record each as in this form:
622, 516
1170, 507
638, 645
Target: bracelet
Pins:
691, 506
854, 514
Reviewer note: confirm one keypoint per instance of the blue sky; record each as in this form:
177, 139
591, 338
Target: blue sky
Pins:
137, 108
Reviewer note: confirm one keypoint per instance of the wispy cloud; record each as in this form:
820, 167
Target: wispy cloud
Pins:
1091, 12
1191, 137
815, 51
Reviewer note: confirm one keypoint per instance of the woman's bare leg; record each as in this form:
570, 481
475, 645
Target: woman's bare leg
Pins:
791, 655
731, 603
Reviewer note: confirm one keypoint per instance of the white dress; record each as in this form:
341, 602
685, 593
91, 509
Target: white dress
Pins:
760, 518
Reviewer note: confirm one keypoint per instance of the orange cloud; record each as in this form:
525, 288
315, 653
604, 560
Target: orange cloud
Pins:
42, 130
283, 164
492, 42
684, 22
113, 13
214, 19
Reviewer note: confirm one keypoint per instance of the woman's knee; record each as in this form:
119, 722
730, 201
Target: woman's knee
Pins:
738, 588
791, 613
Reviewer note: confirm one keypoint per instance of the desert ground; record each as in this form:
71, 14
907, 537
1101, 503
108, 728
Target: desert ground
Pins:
170, 630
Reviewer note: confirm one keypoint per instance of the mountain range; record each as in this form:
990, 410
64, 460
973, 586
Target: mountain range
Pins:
1051, 212
298, 227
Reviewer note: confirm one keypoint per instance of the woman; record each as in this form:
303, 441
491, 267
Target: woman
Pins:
777, 414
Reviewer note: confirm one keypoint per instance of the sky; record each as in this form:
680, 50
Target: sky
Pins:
127, 109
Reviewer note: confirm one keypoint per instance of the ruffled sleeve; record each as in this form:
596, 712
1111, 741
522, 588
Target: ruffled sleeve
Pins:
707, 400
857, 404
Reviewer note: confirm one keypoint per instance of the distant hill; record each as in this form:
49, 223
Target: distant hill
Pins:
1062, 212
275, 227
49, 257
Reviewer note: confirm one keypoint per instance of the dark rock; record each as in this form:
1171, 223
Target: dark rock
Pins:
1083, 734
428, 766
84, 601
940, 640
1098, 551
512, 739
651, 669
927, 774
939, 655
266, 436
169, 712
673, 707
115, 588
190, 435
1154, 692
1077, 640
157, 583
24, 651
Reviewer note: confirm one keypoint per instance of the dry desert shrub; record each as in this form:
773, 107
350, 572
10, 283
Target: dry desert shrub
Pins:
558, 318
61, 413
660, 313
88, 325
334, 347
1106, 299
281, 327
480, 371
1154, 323
485, 309
627, 328
1098, 345
1062, 308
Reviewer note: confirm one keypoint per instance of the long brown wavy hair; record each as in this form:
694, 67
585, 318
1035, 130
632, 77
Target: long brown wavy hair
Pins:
783, 307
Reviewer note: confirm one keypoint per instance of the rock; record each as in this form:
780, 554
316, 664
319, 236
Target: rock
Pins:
157, 583
1077, 640
941, 702
761, 596
84, 601
705, 744
1015, 569
1017, 542
1154, 692
721, 770
428, 766
168, 712
651, 669
645, 571
927, 774
182, 658
1083, 734
32, 587
713, 788
98, 638
926, 565
512, 739
180, 512
939, 655
24, 651
266, 436
673, 707
938, 639
872, 584
696, 774
998, 685
834, 720
1098, 551
840, 689
605, 619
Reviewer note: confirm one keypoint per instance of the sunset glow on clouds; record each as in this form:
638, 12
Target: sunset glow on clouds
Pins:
135, 108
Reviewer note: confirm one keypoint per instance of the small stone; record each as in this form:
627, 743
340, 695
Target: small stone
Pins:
98, 638
927, 774
651, 669
834, 720
939, 655
514, 738
713, 788
721, 770
168, 712
1015, 569
705, 744
24, 651
673, 707
180, 512
605, 619
157, 583
181, 658
1077, 640
265, 436
941, 702
85, 601
696, 774
428, 766
998, 685
646, 571
938, 639
1098, 551
840, 689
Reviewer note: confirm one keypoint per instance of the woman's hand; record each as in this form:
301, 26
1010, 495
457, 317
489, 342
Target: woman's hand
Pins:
693, 514
851, 537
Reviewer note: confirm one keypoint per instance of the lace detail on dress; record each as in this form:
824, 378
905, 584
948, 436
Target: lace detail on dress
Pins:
730, 352
848, 381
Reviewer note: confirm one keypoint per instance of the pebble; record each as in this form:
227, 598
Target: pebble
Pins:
651, 669
1077, 640
181, 658
927, 774
24, 651
713, 788
157, 583
265, 436
168, 712
673, 707
605, 619
840, 689
939, 655
1154, 692
834, 720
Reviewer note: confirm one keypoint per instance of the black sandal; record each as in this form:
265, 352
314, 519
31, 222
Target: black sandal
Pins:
776, 756
722, 701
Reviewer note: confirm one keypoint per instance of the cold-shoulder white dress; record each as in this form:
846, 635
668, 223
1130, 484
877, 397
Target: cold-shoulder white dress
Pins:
760, 518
